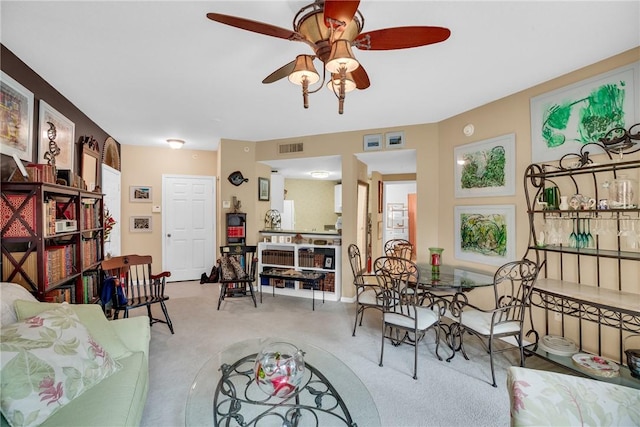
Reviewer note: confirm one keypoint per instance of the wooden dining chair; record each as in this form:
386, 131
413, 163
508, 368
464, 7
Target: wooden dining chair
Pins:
512, 285
135, 286
237, 272
368, 291
404, 319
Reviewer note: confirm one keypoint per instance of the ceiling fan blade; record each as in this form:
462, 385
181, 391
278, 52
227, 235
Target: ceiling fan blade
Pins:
280, 73
401, 38
255, 26
340, 10
360, 78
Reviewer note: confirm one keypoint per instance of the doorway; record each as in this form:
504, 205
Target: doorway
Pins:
397, 220
188, 225
111, 179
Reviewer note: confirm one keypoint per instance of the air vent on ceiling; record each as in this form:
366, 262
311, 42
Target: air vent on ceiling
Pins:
296, 147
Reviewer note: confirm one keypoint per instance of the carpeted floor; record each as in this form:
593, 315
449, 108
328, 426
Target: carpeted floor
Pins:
446, 394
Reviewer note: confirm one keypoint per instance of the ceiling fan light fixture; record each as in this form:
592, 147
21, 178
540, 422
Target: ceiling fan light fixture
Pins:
341, 56
176, 144
304, 70
334, 83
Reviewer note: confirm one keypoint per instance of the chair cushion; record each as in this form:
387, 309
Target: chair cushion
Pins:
46, 362
426, 318
369, 297
231, 268
480, 322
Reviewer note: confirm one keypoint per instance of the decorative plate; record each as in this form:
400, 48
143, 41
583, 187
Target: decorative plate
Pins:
596, 365
558, 345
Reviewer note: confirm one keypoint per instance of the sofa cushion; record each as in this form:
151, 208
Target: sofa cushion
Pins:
90, 315
540, 398
9, 293
46, 362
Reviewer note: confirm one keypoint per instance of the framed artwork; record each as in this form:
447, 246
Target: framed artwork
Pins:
140, 224
64, 136
328, 261
16, 118
396, 216
394, 139
567, 118
486, 168
485, 234
263, 189
140, 194
372, 142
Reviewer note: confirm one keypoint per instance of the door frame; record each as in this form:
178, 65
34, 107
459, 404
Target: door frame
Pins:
164, 206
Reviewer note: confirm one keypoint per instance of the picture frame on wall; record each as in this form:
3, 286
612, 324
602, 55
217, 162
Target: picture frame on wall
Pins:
141, 224
17, 112
486, 168
372, 142
140, 194
394, 139
64, 136
563, 120
485, 234
263, 189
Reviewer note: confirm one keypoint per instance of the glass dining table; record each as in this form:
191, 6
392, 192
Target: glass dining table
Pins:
450, 284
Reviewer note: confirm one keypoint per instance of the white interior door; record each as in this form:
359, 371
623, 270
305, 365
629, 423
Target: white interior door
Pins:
188, 225
112, 200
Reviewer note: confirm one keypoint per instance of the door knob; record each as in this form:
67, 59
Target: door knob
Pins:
169, 235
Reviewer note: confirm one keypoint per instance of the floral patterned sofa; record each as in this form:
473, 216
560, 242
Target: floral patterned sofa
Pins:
551, 399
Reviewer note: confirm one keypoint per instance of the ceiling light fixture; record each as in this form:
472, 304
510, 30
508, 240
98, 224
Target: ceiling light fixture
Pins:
319, 174
175, 143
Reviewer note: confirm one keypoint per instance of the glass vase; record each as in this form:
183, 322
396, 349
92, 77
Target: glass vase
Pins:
279, 369
435, 256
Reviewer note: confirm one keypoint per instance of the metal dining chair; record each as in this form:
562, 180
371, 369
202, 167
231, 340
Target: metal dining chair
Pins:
368, 291
512, 285
404, 319
399, 247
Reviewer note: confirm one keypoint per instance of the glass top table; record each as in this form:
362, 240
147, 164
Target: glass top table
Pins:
330, 393
452, 278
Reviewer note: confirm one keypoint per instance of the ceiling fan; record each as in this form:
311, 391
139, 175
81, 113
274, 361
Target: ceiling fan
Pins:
331, 28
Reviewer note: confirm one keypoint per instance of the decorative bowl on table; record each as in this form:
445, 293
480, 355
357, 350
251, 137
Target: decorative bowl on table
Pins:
279, 369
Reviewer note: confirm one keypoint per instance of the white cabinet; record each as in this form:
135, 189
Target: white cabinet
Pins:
277, 192
337, 198
300, 257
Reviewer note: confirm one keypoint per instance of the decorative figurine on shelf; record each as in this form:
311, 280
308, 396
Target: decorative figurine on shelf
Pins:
279, 369
272, 220
435, 254
54, 150
237, 204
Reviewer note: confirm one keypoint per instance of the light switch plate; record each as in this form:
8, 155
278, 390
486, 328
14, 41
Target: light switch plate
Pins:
156, 209
226, 204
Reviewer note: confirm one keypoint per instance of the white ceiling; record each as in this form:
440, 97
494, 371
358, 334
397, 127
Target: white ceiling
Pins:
146, 71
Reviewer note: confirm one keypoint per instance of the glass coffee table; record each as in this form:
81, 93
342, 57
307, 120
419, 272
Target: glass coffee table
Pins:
224, 392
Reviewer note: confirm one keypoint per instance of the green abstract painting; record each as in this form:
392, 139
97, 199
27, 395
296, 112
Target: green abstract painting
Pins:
485, 234
564, 120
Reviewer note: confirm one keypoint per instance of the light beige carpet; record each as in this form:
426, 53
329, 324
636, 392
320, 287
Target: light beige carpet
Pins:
446, 394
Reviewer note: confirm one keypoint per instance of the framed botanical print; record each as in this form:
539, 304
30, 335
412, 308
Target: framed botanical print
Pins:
486, 168
485, 234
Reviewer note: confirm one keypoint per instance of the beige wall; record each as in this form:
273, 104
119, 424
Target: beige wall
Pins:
145, 166
434, 145
313, 201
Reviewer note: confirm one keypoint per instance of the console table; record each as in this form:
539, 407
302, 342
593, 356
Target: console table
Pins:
316, 280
